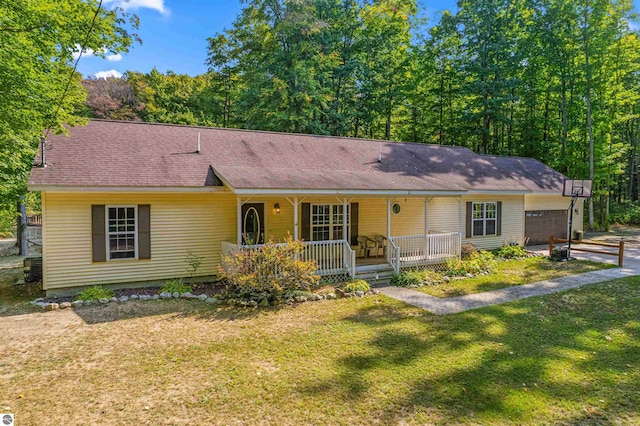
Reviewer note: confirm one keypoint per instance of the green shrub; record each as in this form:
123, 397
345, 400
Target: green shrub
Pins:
355, 285
626, 213
95, 293
409, 278
175, 286
267, 274
509, 252
480, 261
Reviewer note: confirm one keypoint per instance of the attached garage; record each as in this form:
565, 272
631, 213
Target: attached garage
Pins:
540, 224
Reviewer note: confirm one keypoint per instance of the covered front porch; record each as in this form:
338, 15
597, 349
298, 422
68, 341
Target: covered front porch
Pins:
346, 235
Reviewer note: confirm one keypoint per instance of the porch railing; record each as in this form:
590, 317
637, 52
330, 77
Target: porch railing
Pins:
420, 250
332, 257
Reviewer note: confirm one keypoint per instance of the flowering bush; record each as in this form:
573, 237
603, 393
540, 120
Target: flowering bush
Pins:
268, 274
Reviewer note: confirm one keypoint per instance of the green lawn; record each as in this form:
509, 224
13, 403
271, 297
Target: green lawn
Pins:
512, 272
572, 358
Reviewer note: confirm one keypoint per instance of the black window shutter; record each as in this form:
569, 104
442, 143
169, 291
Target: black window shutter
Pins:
306, 222
469, 218
354, 224
98, 238
144, 231
499, 219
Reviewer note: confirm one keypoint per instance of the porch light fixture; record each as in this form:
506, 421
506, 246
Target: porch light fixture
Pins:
277, 207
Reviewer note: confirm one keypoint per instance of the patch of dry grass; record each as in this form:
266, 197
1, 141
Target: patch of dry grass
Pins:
564, 359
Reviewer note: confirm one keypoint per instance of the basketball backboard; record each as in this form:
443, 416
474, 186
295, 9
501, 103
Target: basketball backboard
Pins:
580, 188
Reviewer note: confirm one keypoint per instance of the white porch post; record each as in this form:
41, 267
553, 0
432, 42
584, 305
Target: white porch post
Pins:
239, 224
460, 215
295, 218
426, 227
344, 220
388, 217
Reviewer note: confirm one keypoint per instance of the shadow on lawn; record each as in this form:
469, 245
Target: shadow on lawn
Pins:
112, 312
546, 357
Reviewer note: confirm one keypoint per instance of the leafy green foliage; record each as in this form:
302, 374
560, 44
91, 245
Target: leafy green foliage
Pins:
269, 273
509, 251
37, 43
95, 293
415, 278
626, 214
175, 286
354, 285
480, 261
193, 263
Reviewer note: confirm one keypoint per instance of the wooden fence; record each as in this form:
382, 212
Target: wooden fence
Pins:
619, 246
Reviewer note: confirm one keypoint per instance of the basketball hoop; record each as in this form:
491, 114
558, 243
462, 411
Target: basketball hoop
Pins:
579, 188
575, 188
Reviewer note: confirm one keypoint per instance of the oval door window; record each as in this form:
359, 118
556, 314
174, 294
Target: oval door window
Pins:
252, 226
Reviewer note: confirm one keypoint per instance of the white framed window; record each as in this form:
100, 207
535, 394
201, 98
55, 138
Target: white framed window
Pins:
122, 232
326, 222
485, 219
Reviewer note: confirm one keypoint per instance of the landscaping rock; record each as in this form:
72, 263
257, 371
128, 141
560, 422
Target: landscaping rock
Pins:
289, 301
133, 297
113, 299
320, 296
359, 293
51, 306
39, 299
469, 275
155, 297
186, 295
144, 297
104, 300
331, 296
123, 298
375, 291
211, 300
65, 305
204, 297
176, 295
77, 303
446, 279
165, 295
252, 303
87, 302
300, 299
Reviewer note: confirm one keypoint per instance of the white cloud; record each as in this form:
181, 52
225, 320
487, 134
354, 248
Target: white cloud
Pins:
157, 5
114, 58
107, 74
86, 53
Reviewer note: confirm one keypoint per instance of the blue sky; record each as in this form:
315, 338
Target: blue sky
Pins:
174, 34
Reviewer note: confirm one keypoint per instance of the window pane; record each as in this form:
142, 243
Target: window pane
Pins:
478, 210
491, 227
478, 226
491, 211
112, 213
320, 233
130, 213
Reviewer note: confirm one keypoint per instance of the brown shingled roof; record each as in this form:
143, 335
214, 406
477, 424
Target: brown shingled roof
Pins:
132, 154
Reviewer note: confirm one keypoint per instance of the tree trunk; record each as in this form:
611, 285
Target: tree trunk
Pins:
589, 123
21, 234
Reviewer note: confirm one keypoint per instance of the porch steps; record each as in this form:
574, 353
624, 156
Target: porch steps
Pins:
375, 275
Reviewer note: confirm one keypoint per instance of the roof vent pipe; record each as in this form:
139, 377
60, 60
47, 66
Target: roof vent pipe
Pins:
43, 146
380, 153
198, 150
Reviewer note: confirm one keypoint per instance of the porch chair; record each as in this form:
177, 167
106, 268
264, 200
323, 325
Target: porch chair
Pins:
365, 244
382, 244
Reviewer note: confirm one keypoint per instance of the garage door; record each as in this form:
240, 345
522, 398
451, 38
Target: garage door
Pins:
540, 224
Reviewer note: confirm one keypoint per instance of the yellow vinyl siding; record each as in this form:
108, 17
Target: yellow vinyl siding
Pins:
179, 223
512, 221
372, 216
556, 202
444, 215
